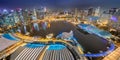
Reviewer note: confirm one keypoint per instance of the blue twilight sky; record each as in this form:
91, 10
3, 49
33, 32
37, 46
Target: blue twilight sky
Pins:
59, 3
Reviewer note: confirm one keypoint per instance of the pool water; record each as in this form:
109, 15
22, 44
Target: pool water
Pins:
56, 47
9, 36
34, 45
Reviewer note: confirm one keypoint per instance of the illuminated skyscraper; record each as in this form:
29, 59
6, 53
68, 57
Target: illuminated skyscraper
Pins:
40, 13
90, 11
97, 11
5, 11
34, 13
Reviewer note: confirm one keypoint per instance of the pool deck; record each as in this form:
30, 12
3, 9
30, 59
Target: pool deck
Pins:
4, 43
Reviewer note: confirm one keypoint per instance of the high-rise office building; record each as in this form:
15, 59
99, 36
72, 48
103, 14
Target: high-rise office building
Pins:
90, 11
97, 11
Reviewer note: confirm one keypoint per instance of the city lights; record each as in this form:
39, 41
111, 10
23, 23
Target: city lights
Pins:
59, 30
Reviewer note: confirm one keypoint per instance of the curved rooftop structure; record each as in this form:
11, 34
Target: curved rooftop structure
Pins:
38, 51
94, 30
6, 41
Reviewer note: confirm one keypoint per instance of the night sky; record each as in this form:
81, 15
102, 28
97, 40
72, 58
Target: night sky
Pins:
59, 3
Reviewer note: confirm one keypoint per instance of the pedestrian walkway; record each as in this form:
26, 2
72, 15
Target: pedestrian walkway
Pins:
115, 55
